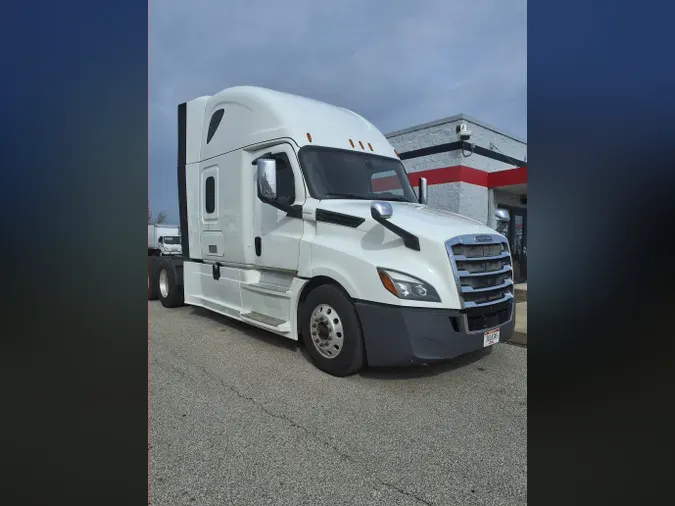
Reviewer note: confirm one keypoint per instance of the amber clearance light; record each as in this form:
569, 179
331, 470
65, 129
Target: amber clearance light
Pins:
387, 282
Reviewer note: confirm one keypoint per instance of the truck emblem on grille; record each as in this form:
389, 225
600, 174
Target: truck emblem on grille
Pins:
483, 238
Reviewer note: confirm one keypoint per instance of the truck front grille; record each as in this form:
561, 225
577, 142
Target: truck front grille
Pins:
486, 317
482, 267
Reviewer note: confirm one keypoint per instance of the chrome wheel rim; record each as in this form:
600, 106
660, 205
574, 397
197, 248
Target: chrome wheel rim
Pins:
164, 283
326, 331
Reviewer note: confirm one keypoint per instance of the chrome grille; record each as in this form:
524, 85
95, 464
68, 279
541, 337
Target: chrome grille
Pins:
477, 250
482, 269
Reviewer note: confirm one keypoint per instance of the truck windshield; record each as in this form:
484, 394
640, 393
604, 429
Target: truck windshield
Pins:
171, 239
338, 174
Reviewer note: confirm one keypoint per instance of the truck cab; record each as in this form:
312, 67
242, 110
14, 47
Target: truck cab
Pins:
170, 245
298, 217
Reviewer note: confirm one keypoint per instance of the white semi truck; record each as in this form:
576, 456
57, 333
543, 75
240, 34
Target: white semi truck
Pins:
298, 217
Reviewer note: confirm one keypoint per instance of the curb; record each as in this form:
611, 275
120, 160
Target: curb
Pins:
518, 338
520, 292
520, 295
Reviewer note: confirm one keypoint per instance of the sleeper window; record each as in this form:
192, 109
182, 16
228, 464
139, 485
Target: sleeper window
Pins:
210, 195
214, 124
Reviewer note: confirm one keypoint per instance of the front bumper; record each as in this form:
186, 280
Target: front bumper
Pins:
396, 335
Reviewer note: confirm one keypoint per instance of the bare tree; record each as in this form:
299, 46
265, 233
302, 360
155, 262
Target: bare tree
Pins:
159, 219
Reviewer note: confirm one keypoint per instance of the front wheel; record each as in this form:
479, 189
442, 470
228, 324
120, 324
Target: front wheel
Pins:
331, 331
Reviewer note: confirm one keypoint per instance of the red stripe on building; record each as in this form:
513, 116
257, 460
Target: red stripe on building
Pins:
457, 174
507, 177
461, 173
451, 175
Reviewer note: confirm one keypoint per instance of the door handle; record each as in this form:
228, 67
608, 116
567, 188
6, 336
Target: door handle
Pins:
215, 271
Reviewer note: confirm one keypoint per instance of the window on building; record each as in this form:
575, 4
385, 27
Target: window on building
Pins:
210, 195
214, 123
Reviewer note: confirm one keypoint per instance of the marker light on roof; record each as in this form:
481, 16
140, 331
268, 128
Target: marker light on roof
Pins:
370, 146
309, 137
361, 144
351, 142
396, 153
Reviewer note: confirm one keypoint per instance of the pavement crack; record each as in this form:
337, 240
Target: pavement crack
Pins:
323, 442
403, 492
288, 420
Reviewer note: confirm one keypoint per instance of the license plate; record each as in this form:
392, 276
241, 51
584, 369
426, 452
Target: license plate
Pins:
490, 337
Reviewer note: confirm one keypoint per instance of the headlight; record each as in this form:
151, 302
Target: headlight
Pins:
406, 287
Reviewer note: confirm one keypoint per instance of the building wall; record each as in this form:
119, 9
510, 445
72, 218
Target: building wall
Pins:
508, 199
467, 199
505, 145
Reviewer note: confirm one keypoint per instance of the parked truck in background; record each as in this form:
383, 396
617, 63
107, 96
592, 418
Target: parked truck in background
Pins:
298, 217
163, 240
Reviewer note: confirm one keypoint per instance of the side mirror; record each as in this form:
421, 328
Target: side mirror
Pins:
503, 219
423, 197
381, 210
502, 215
267, 178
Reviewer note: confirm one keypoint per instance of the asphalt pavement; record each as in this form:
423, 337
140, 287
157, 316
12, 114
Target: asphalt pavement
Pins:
239, 416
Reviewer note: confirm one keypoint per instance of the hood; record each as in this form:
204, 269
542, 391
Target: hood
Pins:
419, 219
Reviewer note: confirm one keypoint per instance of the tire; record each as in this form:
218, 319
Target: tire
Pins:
152, 280
170, 294
329, 323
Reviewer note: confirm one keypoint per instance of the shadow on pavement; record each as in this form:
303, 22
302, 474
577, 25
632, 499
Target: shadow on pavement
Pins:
421, 371
251, 331
380, 373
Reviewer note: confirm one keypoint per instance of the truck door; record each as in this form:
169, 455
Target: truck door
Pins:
278, 234
212, 238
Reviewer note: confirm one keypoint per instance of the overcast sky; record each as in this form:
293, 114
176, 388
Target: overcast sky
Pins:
397, 62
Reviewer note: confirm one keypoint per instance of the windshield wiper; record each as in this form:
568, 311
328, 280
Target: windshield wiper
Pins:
349, 196
394, 198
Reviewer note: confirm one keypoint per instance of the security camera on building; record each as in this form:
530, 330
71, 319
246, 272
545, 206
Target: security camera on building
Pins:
463, 132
